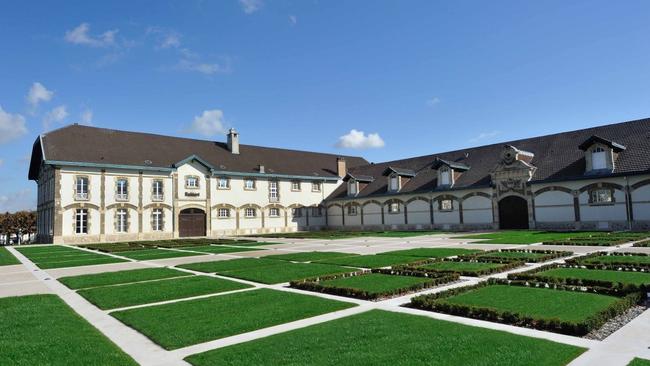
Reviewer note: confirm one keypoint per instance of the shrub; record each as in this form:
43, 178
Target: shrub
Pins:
493, 256
591, 261
417, 266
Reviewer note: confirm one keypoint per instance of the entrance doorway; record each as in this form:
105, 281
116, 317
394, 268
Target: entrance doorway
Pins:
513, 213
191, 222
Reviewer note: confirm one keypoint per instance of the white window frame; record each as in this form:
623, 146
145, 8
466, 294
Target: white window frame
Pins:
445, 176
157, 190
598, 158
352, 187
315, 186
394, 183
352, 210
295, 185
122, 220
157, 219
81, 221
192, 178
82, 185
223, 213
122, 189
393, 208
601, 196
274, 188
250, 212
446, 205
274, 212
249, 184
223, 183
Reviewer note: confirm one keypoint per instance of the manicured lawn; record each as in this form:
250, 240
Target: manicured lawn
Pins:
348, 234
376, 282
54, 256
464, 268
309, 256
385, 338
151, 254
618, 259
521, 256
285, 272
639, 362
635, 278
522, 236
7, 258
535, 302
116, 278
433, 252
185, 323
118, 296
231, 265
371, 261
216, 249
43, 330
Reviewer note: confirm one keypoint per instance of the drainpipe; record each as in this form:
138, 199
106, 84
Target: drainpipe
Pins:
628, 201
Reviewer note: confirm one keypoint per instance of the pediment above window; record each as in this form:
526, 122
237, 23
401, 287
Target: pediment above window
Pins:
448, 172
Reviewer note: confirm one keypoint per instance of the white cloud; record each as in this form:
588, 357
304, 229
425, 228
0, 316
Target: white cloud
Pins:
57, 114
293, 19
12, 126
86, 117
166, 38
484, 135
433, 101
210, 123
359, 140
81, 36
18, 201
203, 67
251, 6
38, 93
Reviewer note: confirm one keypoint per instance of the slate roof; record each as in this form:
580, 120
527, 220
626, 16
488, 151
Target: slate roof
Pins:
399, 171
557, 157
84, 144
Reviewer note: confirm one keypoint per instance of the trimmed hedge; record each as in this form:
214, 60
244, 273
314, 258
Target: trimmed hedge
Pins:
429, 302
313, 284
625, 266
642, 243
597, 286
547, 255
175, 243
417, 266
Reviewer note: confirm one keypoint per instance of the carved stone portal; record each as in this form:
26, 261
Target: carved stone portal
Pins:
513, 171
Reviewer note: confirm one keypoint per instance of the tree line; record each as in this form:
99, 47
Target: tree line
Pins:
19, 223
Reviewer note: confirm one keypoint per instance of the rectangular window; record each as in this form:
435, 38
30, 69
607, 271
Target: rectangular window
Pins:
295, 185
157, 219
445, 177
296, 212
122, 193
315, 187
273, 191
394, 186
598, 158
249, 184
446, 205
250, 212
223, 213
352, 210
121, 220
81, 221
352, 187
393, 208
316, 211
191, 182
601, 196
157, 192
223, 183
274, 212
81, 188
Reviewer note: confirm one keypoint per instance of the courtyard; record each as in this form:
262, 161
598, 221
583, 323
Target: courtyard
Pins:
332, 298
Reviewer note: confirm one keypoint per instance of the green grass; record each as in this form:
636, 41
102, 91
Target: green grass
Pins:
375, 282
617, 259
186, 323
53, 256
433, 252
151, 254
385, 338
230, 265
43, 330
514, 255
464, 267
639, 362
118, 296
309, 256
534, 302
217, 249
116, 278
348, 234
634, 278
7, 258
286, 272
522, 236
371, 261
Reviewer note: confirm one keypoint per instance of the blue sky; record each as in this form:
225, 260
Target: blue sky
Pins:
409, 77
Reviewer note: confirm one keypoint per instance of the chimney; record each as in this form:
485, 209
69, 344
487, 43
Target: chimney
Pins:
233, 141
341, 168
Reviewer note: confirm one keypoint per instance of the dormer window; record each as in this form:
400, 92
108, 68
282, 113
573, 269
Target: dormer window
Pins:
397, 178
600, 154
394, 183
356, 183
448, 172
352, 187
598, 158
445, 176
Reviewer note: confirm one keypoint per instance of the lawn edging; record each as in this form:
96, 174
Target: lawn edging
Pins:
417, 266
630, 266
547, 255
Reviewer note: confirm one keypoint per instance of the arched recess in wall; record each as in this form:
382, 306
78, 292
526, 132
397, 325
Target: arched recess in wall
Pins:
80, 205
223, 205
555, 204
418, 198
601, 185
476, 194
249, 205
122, 205
157, 205
371, 202
334, 205
443, 197
296, 205
192, 205
393, 200
640, 184
274, 205
552, 189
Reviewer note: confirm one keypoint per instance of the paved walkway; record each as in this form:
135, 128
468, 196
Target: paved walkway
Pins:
618, 349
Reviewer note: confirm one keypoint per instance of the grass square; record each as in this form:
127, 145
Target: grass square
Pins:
433, 252
152, 254
43, 330
529, 256
120, 277
464, 268
285, 272
216, 249
539, 303
7, 258
377, 283
230, 265
617, 259
522, 236
191, 322
55, 256
379, 337
624, 277
371, 261
118, 296
309, 256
